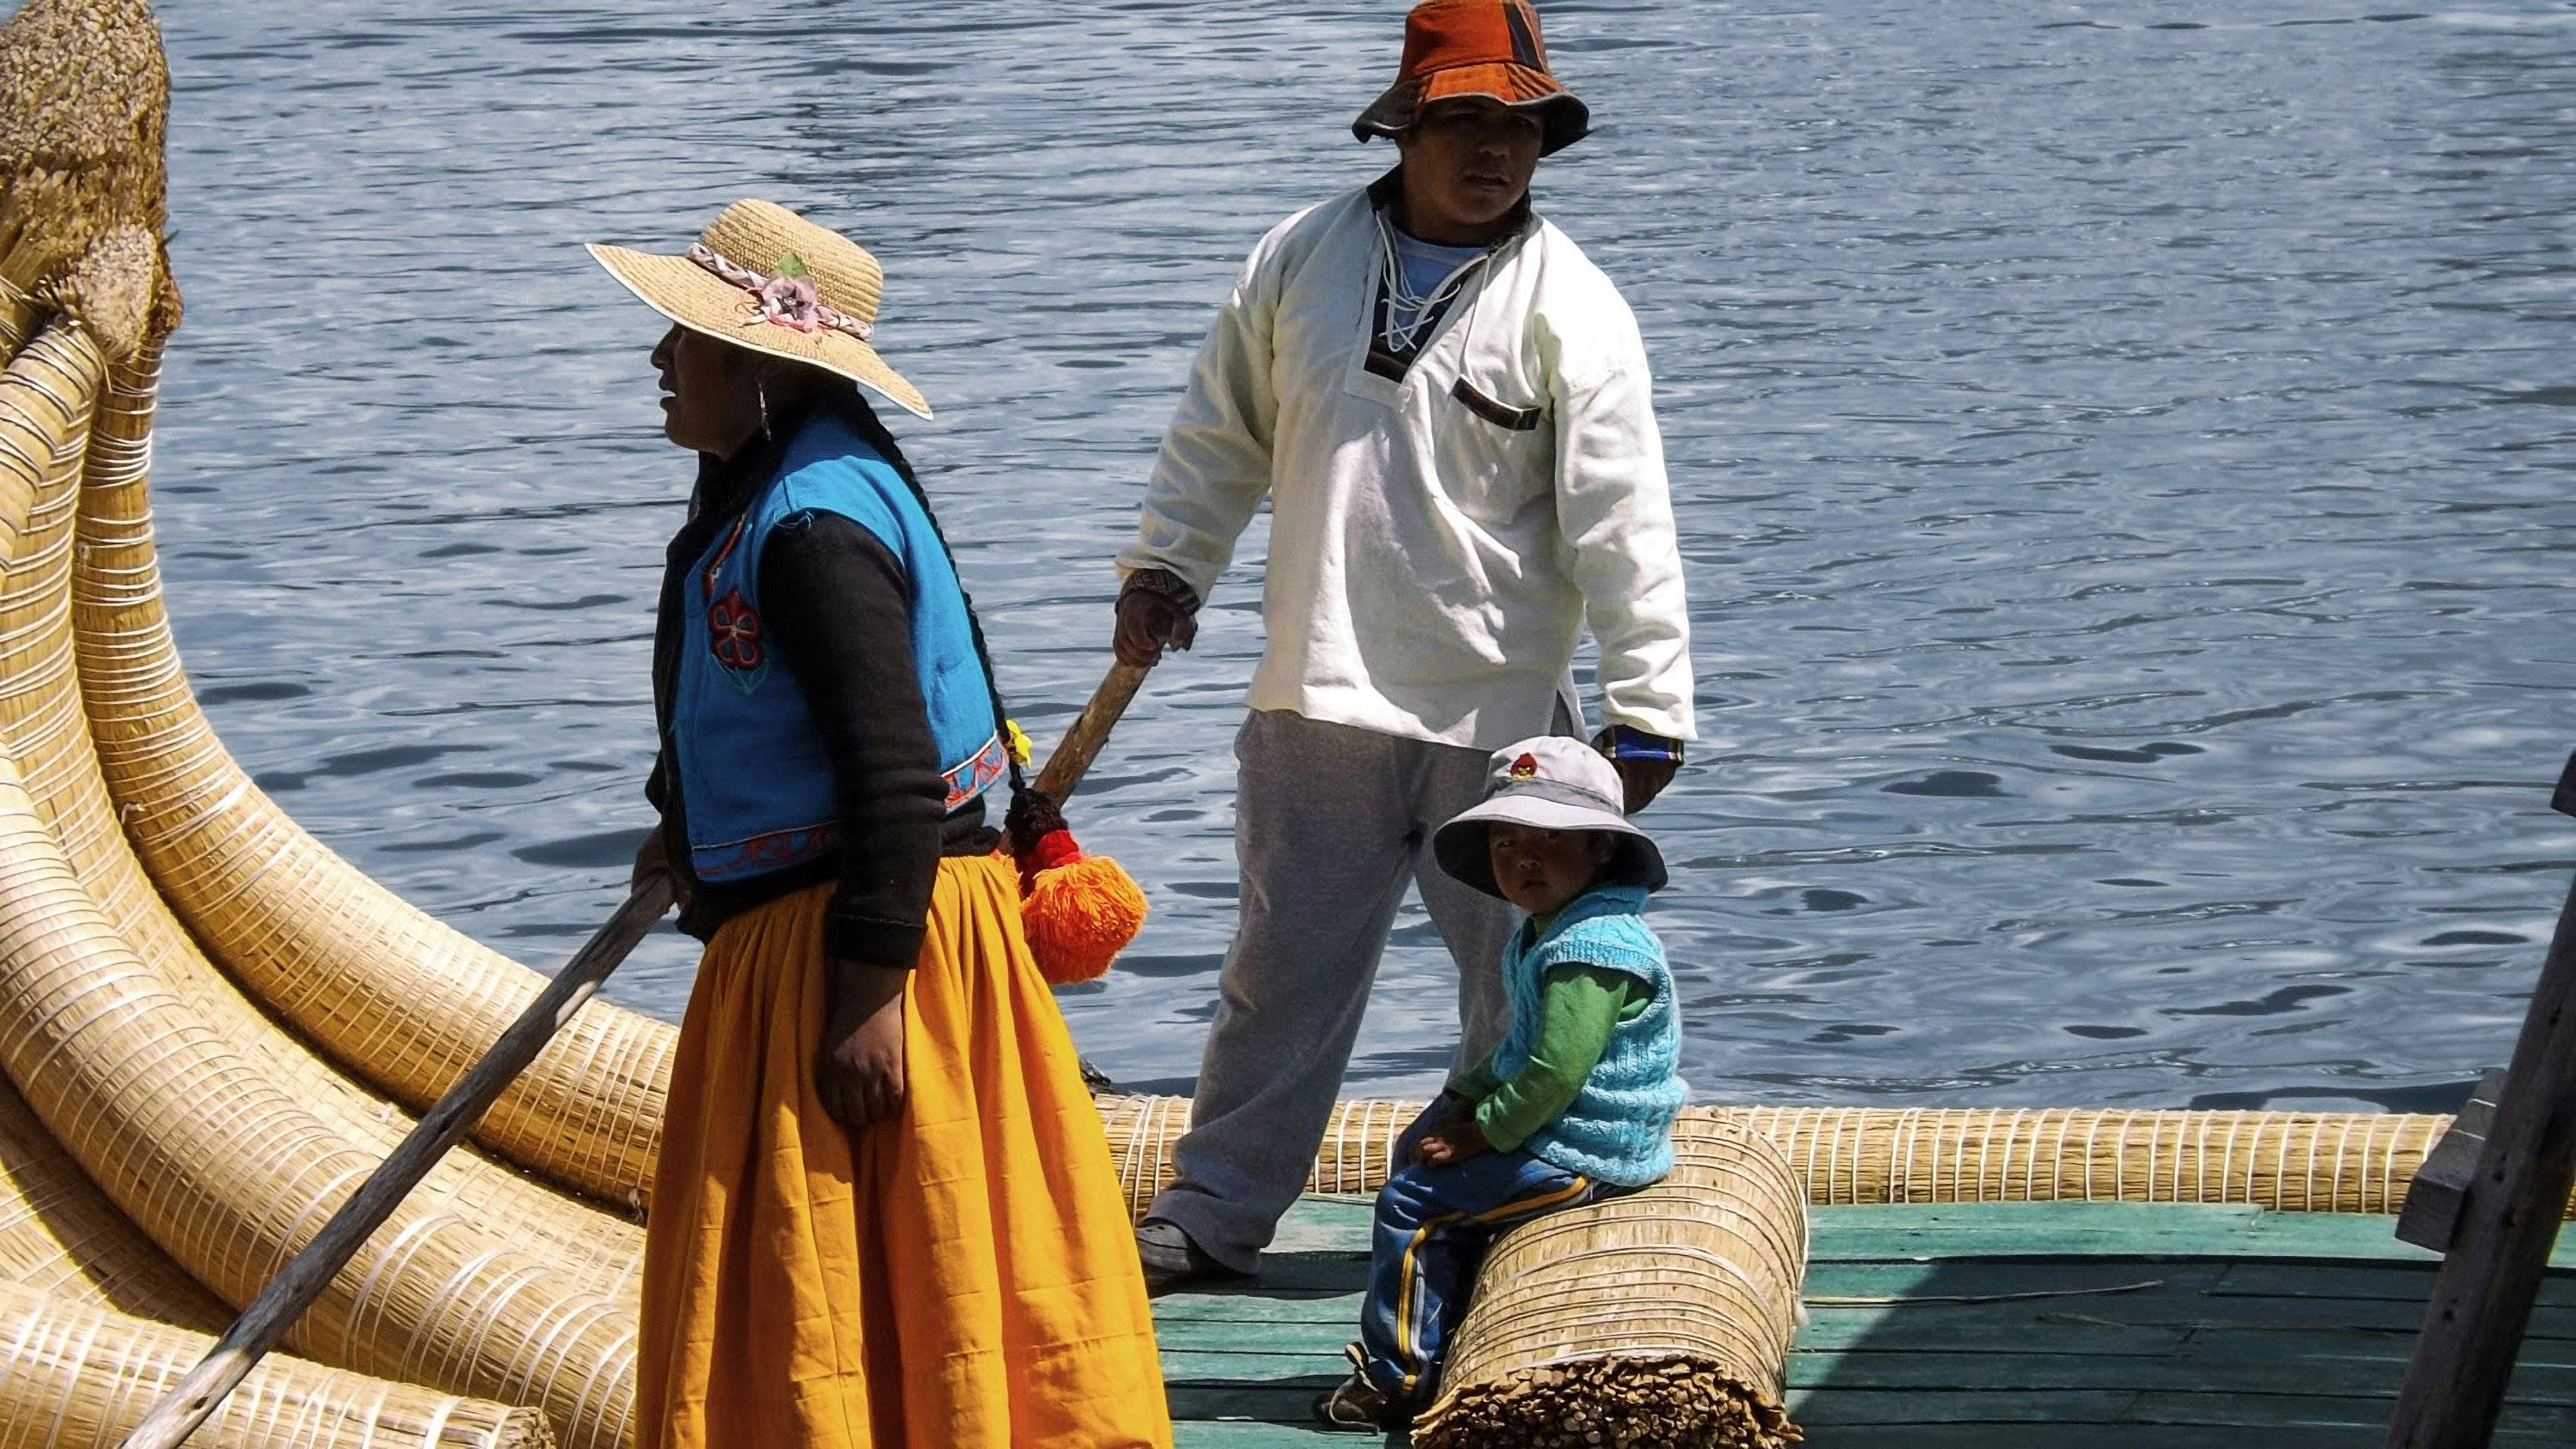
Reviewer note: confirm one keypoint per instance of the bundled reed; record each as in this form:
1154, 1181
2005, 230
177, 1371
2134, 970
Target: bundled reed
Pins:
402, 1001
229, 1158
395, 997
2358, 1162
1659, 1320
230, 1174
42, 727
61, 1239
82, 1377
46, 395
2351, 1162
84, 105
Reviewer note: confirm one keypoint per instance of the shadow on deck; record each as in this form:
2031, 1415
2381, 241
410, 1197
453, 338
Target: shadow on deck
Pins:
2100, 1325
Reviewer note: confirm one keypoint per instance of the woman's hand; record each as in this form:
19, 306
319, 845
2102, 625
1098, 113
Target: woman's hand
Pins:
653, 858
859, 1070
1451, 1143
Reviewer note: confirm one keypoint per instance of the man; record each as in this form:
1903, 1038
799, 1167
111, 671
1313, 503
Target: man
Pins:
1449, 409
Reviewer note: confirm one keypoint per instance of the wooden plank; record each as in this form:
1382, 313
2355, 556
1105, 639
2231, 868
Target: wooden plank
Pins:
2145, 1230
2440, 1186
2268, 1322
1252, 1434
2554, 1314
2508, 1219
2285, 1375
1282, 1401
1830, 1407
2058, 1436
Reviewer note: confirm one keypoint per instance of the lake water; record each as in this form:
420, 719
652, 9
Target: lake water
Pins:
2123, 454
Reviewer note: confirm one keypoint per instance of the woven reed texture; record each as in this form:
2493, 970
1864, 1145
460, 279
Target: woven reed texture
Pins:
231, 1174
84, 103
1658, 1320
46, 395
2354, 1162
2295, 1161
42, 727
393, 996
81, 1377
61, 1239
18, 317
199, 1143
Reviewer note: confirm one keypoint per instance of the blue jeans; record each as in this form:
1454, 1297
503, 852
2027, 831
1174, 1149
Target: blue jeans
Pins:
1433, 1227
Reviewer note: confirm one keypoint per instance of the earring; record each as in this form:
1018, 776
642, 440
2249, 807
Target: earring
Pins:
760, 391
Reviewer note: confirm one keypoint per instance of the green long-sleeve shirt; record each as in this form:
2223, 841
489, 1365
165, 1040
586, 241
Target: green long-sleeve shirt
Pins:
1579, 1006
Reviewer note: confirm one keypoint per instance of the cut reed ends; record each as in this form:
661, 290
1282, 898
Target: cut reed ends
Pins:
84, 104
1677, 1401
112, 289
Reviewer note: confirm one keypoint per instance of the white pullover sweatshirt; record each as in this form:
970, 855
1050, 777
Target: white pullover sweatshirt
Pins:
1441, 530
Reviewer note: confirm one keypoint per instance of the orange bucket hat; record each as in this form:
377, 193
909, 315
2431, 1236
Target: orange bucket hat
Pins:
1476, 48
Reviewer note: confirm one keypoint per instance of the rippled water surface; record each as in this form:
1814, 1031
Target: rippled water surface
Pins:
2122, 453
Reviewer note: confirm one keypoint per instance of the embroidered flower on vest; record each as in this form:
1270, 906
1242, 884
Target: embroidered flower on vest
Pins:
733, 634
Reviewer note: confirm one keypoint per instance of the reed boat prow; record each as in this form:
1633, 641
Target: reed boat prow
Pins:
215, 1027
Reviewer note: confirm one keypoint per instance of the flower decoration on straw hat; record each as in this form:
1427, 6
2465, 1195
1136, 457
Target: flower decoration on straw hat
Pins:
763, 278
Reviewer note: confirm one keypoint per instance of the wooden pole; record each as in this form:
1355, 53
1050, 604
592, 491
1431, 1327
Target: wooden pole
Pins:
188, 1404
1072, 758
2508, 1218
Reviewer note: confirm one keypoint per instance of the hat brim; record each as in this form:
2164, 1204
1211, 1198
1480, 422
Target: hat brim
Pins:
1460, 845
704, 303
1563, 119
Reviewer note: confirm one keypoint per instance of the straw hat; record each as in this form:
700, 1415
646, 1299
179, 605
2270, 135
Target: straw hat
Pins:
1550, 783
1476, 48
764, 278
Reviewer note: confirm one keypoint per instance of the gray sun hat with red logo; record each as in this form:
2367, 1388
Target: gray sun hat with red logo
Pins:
1549, 783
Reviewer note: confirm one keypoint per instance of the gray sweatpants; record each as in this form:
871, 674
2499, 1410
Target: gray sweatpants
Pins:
1330, 822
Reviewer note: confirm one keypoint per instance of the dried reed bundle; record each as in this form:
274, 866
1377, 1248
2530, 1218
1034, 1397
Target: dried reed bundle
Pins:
110, 290
2296, 1161
396, 998
230, 1173
60, 1239
45, 398
207, 1148
81, 1377
42, 727
19, 314
84, 103
1660, 1320
2354, 1162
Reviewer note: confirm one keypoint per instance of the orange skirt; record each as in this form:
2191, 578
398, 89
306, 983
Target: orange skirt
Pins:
960, 1275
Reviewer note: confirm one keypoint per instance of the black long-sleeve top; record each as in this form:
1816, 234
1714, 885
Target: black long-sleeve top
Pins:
835, 606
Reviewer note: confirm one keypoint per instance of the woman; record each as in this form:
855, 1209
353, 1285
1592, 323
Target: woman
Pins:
885, 1212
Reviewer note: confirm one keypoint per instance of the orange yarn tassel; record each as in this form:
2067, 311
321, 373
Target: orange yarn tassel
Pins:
1078, 911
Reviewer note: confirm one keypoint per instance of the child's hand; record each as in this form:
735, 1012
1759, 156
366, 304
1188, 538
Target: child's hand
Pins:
1451, 1143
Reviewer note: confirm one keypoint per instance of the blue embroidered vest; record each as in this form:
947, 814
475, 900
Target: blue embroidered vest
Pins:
756, 785
1619, 1128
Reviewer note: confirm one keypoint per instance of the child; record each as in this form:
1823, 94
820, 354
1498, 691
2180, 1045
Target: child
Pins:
1578, 1101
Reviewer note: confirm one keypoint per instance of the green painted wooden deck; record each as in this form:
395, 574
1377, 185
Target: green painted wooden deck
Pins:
2103, 1325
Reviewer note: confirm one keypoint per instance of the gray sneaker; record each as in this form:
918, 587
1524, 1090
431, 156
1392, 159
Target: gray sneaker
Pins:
1171, 1260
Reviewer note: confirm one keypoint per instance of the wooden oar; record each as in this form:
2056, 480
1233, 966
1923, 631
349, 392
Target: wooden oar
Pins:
283, 1301
1072, 758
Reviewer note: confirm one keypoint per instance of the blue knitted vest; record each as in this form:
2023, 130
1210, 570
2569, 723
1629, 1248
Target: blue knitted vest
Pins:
754, 779
1619, 1129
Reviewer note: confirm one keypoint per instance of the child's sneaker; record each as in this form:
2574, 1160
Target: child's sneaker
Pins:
1356, 1406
